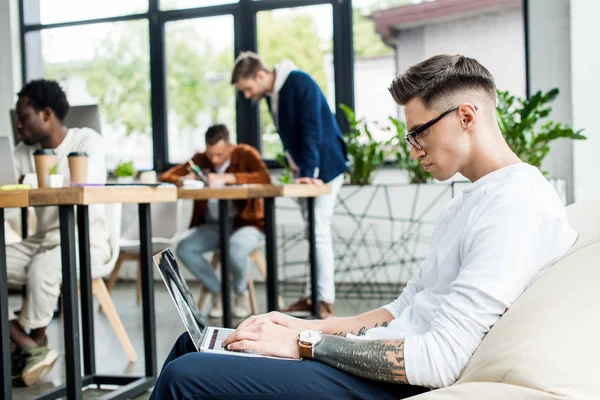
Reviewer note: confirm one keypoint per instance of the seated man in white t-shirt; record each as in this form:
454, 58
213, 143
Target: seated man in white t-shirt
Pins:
490, 243
36, 261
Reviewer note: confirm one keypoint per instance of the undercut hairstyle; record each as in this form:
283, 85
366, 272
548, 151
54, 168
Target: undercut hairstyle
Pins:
215, 134
247, 66
441, 77
43, 94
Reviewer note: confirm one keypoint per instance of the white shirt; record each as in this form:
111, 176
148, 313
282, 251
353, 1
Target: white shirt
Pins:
488, 246
282, 71
212, 208
79, 140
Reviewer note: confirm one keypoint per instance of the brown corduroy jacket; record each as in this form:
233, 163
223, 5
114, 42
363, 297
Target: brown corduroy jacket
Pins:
248, 167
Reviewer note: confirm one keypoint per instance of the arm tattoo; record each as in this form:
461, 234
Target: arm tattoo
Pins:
363, 330
372, 359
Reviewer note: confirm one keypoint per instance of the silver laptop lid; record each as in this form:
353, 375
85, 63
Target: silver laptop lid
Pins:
180, 293
7, 162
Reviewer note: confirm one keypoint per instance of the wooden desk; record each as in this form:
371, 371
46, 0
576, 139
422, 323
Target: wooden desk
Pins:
8, 199
269, 193
66, 199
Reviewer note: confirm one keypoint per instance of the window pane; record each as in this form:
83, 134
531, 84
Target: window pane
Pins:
54, 11
174, 4
108, 65
303, 35
200, 58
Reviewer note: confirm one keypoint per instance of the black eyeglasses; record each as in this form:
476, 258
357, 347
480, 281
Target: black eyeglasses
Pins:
411, 137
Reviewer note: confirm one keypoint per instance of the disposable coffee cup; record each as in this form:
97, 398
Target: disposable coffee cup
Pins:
78, 166
44, 160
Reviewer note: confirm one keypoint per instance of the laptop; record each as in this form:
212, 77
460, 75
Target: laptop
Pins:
7, 162
205, 338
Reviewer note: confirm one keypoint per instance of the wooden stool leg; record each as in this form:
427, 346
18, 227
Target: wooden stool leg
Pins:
101, 293
261, 264
252, 294
139, 282
204, 291
115, 273
202, 298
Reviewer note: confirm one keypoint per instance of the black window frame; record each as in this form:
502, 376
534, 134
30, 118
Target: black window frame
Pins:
244, 14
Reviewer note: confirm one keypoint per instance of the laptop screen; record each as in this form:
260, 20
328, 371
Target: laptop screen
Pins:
180, 293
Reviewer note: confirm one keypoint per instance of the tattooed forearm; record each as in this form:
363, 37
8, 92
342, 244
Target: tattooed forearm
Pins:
372, 359
363, 330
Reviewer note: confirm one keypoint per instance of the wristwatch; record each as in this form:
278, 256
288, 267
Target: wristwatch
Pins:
307, 340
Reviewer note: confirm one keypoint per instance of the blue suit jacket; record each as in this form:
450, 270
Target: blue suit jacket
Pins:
308, 129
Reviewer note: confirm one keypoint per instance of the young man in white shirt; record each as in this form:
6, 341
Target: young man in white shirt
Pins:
490, 243
36, 261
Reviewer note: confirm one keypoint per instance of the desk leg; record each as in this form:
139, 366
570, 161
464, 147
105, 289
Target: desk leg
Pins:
312, 255
24, 225
147, 289
70, 302
271, 250
224, 233
87, 303
5, 373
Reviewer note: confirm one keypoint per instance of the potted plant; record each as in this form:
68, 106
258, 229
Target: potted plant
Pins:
125, 172
54, 179
364, 152
520, 123
286, 177
401, 152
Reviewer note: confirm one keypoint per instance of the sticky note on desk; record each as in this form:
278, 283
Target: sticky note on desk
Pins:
15, 187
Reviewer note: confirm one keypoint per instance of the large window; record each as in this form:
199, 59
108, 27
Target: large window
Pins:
55, 11
200, 58
105, 64
160, 70
174, 4
303, 36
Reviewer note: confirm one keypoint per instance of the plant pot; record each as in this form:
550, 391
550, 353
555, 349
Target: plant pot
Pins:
54, 181
125, 179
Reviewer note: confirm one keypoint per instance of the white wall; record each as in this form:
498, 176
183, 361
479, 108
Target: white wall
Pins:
10, 71
496, 39
549, 63
585, 81
372, 77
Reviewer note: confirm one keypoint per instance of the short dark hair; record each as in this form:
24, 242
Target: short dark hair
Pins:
247, 66
215, 134
440, 77
43, 94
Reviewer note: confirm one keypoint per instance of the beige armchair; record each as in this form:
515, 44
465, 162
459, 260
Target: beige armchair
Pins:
546, 345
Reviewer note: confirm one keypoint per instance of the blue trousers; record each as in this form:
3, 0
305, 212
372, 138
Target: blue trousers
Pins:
188, 374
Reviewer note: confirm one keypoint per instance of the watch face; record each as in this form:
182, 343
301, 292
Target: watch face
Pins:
310, 336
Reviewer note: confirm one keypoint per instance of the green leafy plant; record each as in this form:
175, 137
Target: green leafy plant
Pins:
519, 120
364, 152
53, 170
401, 151
287, 176
124, 169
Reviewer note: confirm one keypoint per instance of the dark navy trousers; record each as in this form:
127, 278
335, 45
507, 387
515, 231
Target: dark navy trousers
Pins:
188, 374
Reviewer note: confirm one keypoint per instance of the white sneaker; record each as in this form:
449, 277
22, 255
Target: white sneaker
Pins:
216, 310
241, 306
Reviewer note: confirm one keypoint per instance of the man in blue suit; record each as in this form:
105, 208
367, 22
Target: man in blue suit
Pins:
314, 149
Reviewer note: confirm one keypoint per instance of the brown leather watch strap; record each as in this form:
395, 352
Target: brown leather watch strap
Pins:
306, 351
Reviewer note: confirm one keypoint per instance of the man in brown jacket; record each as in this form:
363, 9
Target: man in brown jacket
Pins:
229, 164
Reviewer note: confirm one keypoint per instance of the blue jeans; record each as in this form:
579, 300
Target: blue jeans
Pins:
204, 238
188, 374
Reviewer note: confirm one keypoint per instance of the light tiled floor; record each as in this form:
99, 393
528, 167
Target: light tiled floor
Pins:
109, 354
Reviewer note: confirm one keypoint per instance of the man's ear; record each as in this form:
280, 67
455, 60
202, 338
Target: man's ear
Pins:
46, 114
468, 116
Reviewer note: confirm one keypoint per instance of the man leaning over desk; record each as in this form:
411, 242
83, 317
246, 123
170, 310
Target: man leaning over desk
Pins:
226, 164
